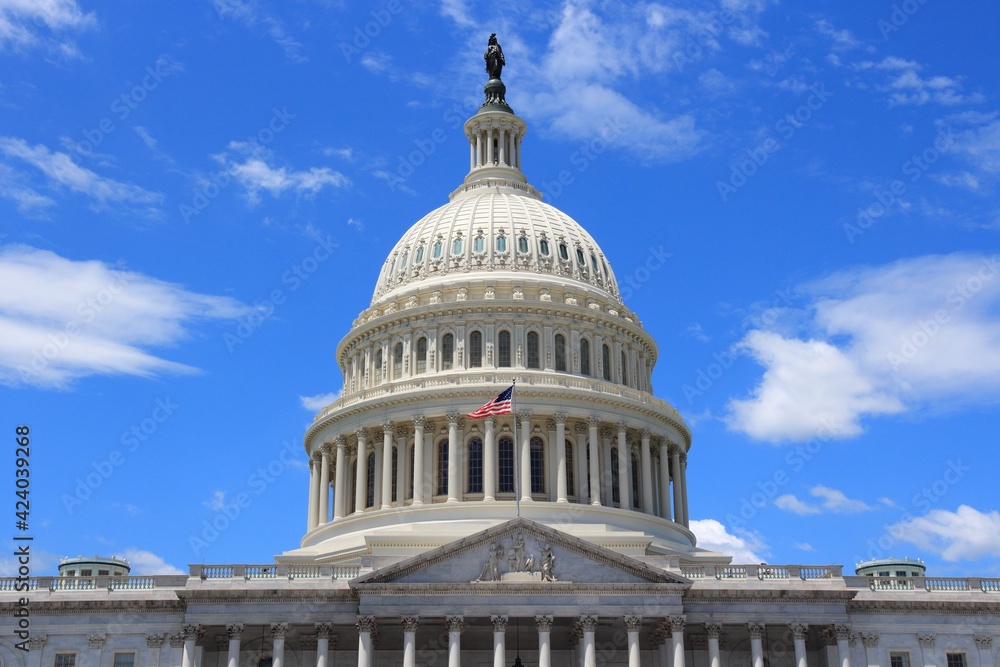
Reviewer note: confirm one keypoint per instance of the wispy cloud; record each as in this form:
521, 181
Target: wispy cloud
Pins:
42, 23
254, 15
255, 174
319, 401
903, 84
963, 535
147, 563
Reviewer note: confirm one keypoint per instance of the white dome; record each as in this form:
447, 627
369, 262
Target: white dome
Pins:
503, 228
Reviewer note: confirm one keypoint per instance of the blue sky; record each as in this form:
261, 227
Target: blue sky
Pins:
799, 201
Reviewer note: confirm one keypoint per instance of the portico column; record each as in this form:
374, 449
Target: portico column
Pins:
595, 464
544, 624
479, 148
340, 485
472, 156
517, 150
503, 145
235, 633
454, 481
489, 147
322, 644
589, 626
311, 522
677, 638
684, 488
418, 460
410, 641
798, 631
324, 484
525, 417
713, 630
843, 644
36, 644
561, 458
454, 625
664, 480
190, 635
624, 479
278, 631
870, 640
647, 474
632, 626
663, 647
361, 492
365, 626
386, 465
499, 636
490, 462
675, 467
984, 643
927, 649
756, 631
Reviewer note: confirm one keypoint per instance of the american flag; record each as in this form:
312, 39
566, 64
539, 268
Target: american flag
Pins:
498, 406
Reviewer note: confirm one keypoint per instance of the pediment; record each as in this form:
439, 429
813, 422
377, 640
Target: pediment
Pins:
520, 551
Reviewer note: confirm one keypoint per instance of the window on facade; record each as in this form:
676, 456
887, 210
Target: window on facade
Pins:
543, 247
624, 369
361, 372
65, 660
899, 659
447, 351
124, 660
420, 255
395, 471
378, 366
402, 261
570, 470
397, 361
883, 573
900, 573
505, 467
537, 465
560, 343
479, 244
606, 360
456, 246
442, 471
476, 349
86, 573
265, 662
503, 349
522, 243
104, 573
615, 489
370, 490
579, 258
593, 263
584, 356
955, 659
563, 252
635, 482
475, 459
422, 355
533, 355
392, 269
501, 244
436, 252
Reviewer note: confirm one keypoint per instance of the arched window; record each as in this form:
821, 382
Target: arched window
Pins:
606, 359
615, 488
456, 246
370, 491
570, 470
533, 356
266, 661
503, 349
543, 247
522, 243
420, 255
476, 349
501, 244
475, 459
447, 351
402, 262
635, 482
378, 366
505, 467
397, 361
479, 244
421, 355
579, 258
442, 471
584, 356
395, 472
560, 352
436, 250
563, 252
624, 369
537, 465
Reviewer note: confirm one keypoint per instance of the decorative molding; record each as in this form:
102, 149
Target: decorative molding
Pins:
798, 630
37, 642
454, 623
176, 641
235, 630
366, 624
308, 642
926, 640
713, 630
842, 631
756, 630
499, 623
323, 630
544, 623
983, 642
188, 631
410, 623
96, 641
588, 623
633, 623
870, 639
278, 630
676, 624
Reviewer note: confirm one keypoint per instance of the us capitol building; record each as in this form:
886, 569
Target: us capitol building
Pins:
555, 535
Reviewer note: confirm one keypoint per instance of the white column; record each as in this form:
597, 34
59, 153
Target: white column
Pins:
190, 634
675, 466
514, 150
199, 655
624, 478
595, 464
361, 492
313, 513
984, 643
756, 646
387, 465
324, 484
798, 631
410, 641
589, 626
517, 150
665, 649
479, 148
870, 640
472, 155
664, 480
677, 638
684, 488
544, 624
926, 642
454, 625
714, 631
503, 145
418, 460
365, 626
499, 635
235, 633
647, 474
632, 626
322, 644
489, 147
525, 417
490, 461
340, 485
278, 631
454, 471
561, 458
843, 644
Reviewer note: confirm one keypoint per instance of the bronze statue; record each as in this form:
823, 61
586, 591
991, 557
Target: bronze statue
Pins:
494, 57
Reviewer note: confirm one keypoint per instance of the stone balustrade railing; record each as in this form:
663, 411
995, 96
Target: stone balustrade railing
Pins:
109, 583
275, 571
762, 571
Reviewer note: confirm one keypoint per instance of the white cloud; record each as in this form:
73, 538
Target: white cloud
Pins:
62, 171
376, 61
29, 23
965, 534
836, 501
921, 333
842, 39
28, 200
744, 547
69, 319
147, 563
904, 85
790, 503
255, 174
253, 15
216, 502
319, 401
458, 12
805, 546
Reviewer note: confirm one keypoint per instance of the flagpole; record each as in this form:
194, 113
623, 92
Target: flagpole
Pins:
517, 449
